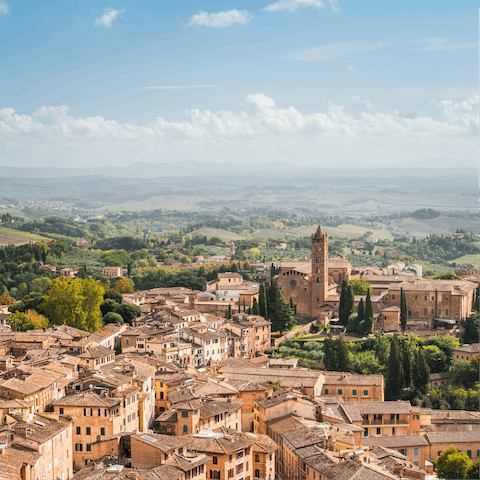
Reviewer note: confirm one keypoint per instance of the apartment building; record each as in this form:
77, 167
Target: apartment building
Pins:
95, 415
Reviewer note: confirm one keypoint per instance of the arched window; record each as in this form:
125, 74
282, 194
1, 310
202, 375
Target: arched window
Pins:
257, 473
257, 458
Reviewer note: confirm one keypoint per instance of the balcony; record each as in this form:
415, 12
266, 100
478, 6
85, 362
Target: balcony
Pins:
239, 461
385, 421
239, 476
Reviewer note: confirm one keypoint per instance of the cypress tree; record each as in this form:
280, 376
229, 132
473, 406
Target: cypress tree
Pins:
368, 315
292, 306
395, 380
421, 373
361, 311
228, 314
329, 353
255, 307
343, 360
347, 303
263, 303
407, 365
403, 310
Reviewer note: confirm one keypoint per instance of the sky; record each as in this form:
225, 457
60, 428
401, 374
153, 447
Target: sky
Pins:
334, 83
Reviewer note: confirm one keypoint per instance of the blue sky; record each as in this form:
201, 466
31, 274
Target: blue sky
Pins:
224, 76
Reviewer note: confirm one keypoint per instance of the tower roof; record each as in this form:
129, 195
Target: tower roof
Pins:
319, 233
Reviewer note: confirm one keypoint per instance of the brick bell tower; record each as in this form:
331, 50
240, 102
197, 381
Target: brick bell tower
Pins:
319, 279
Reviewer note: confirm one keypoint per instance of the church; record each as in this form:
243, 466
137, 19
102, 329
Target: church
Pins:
314, 287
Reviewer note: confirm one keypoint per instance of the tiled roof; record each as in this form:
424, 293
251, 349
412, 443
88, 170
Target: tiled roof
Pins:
165, 443
453, 437
395, 441
86, 399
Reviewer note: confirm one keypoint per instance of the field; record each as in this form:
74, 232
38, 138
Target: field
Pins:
466, 259
17, 237
223, 235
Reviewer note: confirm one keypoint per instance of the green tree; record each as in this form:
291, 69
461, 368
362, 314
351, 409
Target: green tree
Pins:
360, 286
112, 317
407, 364
368, 315
421, 373
228, 313
466, 373
255, 307
128, 312
473, 471
347, 303
329, 353
40, 285
395, 380
29, 320
403, 310
114, 295
22, 291
263, 302
435, 358
343, 356
472, 328
361, 311
452, 464
108, 305
74, 302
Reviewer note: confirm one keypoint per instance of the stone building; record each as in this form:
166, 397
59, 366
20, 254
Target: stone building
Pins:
315, 286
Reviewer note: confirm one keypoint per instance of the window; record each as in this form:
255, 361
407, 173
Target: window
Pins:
469, 453
365, 392
379, 431
415, 463
415, 452
79, 430
439, 453
185, 429
89, 431
89, 447
61, 411
257, 473
340, 391
354, 392
215, 460
184, 414
365, 432
393, 297
44, 471
230, 458
326, 391
127, 342
102, 431
79, 447
416, 417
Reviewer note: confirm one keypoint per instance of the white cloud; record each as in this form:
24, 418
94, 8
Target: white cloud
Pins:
108, 17
350, 68
221, 19
260, 132
337, 50
179, 87
292, 5
438, 44
4, 8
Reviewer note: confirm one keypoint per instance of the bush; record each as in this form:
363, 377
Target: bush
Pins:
112, 317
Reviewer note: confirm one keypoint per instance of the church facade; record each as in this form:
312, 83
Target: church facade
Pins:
315, 286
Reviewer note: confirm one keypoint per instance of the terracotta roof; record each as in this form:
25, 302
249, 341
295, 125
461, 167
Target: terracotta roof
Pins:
395, 441
86, 399
165, 443
453, 437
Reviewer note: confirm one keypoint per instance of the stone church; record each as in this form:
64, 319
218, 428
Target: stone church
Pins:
314, 287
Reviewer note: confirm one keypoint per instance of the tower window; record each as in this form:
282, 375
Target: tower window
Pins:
319, 259
318, 248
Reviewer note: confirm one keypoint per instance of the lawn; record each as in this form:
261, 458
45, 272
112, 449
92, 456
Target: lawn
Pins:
466, 259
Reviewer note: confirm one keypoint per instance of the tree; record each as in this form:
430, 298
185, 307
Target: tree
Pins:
407, 364
128, 312
74, 302
228, 313
403, 310
114, 295
108, 305
360, 287
255, 307
347, 303
124, 286
29, 320
421, 373
395, 380
280, 313
472, 328
361, 311
112, 317
22, 291
263, 302
452, 464
329, 354
435, 358
343, 357
40, 285
466, 373
368, 315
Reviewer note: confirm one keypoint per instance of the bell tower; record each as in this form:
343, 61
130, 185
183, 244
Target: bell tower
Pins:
319, 278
